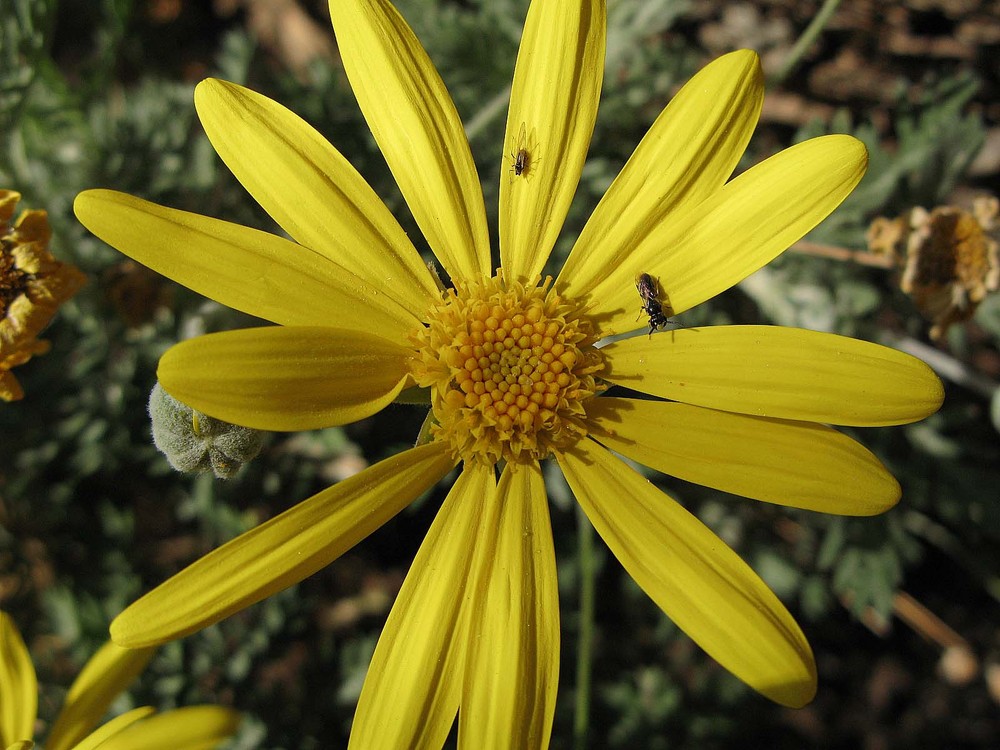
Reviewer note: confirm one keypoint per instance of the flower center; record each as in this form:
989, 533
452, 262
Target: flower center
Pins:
510, 368
24, 259
13, 281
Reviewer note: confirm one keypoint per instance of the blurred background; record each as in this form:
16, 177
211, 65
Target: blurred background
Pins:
902, 610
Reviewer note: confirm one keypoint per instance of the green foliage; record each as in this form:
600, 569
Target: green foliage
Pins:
24, 28
936, 139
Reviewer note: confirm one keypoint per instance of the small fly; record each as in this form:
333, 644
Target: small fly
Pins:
521, 162
521, 154
649, 291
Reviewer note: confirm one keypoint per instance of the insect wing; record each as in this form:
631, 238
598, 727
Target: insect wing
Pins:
646, 287
649, 292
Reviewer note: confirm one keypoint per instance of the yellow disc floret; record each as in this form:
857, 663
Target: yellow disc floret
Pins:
510, 368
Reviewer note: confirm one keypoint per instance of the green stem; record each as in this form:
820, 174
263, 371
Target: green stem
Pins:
585, 639
812, 31
492, 109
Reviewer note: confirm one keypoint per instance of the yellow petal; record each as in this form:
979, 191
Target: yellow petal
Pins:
278, 378
414, 682
104, 676
281, 552
770, 371
22, 745
513, 666
553, 105
312, 191
10, 389
418, 130
8, 204
699, 582
687, 154
18, 686
701, 250
113, 727
249, 270
790, 463
192, 728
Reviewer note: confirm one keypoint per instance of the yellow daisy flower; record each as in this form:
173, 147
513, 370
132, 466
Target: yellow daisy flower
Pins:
515, 367
33, 285
107, 673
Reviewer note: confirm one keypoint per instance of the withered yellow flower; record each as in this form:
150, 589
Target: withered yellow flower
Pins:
950, 258
33, 285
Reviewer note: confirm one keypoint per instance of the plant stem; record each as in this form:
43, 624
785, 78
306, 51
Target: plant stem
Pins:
812, 31
492, 109
585, 638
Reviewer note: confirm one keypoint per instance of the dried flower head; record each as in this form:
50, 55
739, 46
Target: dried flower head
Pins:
32, 286
948, 257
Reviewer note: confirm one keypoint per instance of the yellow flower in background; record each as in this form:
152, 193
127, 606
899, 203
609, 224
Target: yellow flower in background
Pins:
33, 285
107, 673
514, 365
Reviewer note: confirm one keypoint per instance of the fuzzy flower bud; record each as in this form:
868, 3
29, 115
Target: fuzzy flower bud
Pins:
195, 442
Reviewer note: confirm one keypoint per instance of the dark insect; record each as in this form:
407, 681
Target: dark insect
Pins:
649, 290
521, 161
521, 154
